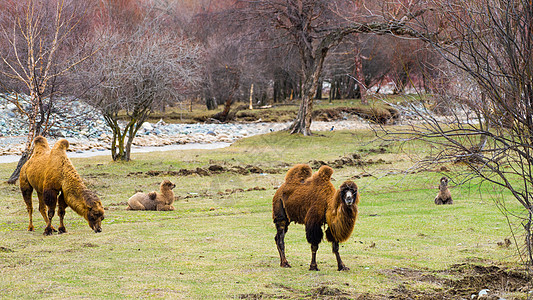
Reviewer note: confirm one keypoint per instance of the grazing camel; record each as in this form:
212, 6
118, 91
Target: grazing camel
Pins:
51, 174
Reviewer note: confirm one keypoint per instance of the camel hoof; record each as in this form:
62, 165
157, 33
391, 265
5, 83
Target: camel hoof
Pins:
313, 268
48, 231
62, 230
30, 228
285, 265
344, 268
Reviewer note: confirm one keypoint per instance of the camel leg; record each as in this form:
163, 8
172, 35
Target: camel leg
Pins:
42, 209
50, 199
27, 190
313, 266
164, 207
62, 205
340, 264
314, 235
282, 228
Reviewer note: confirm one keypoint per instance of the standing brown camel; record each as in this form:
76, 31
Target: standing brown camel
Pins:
313, 201
51, 174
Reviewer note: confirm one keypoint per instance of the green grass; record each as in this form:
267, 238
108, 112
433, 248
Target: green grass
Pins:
276, 113
219, 242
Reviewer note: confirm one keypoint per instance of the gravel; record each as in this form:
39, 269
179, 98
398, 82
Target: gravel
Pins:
86, 130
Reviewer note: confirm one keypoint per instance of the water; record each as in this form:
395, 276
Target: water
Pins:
135, 149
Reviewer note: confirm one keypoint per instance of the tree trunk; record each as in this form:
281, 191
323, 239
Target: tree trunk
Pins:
34, 131
127, 152
319, 91
117, 142
302, 124
251, 97
211, 103
276, 92
16, 173
223, 115
360, 78
312, 69
338, 88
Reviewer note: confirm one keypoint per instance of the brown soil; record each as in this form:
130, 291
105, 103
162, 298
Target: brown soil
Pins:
349, 160
211, 170
353, 159
462, 281
214, 169
226, 192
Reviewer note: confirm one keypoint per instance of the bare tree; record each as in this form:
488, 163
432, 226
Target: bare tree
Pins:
314, 27
230, 68
36, 56
489, 45
135, 72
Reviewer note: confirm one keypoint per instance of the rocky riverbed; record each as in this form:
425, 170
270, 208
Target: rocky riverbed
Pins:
86, 130
161, 134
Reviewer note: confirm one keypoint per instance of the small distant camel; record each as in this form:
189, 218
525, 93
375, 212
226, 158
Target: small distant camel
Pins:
312, 200
444, 196
153, 200
51, 174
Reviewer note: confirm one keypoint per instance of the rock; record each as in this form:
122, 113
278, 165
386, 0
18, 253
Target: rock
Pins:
483, 294
147, 126
87, 125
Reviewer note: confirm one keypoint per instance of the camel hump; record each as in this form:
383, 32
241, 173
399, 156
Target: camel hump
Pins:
325, 172
40, 140
40, 145
62, 144
298, 173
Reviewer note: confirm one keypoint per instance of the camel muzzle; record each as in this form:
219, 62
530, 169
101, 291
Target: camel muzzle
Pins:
349, 198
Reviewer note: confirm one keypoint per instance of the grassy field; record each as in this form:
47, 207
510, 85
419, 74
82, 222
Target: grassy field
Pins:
219, 242
187, 113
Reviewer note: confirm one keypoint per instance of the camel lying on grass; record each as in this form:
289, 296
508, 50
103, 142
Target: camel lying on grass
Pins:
154, 200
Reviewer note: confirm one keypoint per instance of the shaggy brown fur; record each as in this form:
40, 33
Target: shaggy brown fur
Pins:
313, 201
51, 173
444, 196
154, 200
294, 179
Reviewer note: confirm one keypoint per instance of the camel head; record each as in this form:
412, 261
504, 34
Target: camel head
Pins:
95, 212
167, 185
443, 182
349, 193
